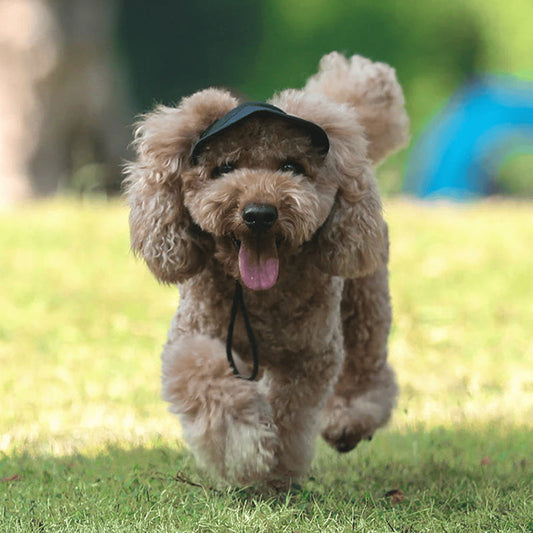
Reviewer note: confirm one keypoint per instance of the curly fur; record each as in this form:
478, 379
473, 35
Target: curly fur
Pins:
322, 328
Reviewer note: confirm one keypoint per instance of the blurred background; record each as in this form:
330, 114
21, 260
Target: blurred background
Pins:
75, 73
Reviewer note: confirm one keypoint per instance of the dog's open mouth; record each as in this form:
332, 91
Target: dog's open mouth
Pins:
258, 260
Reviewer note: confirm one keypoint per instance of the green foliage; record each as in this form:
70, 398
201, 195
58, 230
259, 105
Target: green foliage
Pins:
257, 48
175, 49
432, 46
261, 47
514, 176
87, 445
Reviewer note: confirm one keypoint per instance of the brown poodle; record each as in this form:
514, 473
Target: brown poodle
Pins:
265, 203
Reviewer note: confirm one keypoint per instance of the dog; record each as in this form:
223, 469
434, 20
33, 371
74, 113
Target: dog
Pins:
272, 211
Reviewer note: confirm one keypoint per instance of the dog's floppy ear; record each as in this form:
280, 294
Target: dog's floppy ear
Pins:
364, 116
161, 228
353, 241
360, 105
373, 91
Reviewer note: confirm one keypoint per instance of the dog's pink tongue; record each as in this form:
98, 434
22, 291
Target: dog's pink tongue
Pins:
259, 263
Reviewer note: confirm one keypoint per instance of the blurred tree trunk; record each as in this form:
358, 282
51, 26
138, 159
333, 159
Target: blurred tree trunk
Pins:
27, 53
64, 108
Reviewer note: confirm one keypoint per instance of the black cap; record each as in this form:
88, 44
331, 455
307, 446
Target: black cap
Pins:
318, 136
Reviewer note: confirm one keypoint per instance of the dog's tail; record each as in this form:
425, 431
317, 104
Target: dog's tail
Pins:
373, 90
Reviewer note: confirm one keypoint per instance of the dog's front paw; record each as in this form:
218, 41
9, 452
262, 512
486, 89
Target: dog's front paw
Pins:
251, 445
235, 436
227, 421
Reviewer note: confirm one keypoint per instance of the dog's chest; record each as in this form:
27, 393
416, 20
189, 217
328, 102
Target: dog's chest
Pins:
287, 322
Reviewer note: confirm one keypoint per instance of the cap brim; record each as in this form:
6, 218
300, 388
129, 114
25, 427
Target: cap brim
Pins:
237, 115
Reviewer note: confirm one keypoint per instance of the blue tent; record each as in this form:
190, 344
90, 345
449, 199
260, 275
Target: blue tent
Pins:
458, 154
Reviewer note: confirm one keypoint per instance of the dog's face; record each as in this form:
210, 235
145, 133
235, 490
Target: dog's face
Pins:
260, 190
255, 194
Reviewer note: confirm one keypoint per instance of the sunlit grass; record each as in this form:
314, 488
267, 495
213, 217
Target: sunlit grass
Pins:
81, 327
86, 444
462, 283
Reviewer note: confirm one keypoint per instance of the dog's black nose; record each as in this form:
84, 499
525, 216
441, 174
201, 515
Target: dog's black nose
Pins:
259, 217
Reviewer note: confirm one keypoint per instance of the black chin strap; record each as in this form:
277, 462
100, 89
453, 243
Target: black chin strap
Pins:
238, 301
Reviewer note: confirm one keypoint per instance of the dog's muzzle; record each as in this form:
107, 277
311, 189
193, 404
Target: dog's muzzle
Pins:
259, 217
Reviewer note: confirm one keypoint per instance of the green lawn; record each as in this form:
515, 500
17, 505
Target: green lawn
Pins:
86, 443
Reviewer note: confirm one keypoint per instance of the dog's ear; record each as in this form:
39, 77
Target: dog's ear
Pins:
373, 91
352, 242
365, 119
161, 228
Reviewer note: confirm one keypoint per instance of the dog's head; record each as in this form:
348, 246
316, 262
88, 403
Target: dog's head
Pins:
256, 193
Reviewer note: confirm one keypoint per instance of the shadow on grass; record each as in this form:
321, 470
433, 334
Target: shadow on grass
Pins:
456, 471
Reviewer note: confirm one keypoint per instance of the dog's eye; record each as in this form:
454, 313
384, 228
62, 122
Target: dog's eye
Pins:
292, 166
225, 168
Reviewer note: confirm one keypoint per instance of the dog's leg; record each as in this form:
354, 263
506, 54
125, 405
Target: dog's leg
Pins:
366, 390
227, 421
298, 393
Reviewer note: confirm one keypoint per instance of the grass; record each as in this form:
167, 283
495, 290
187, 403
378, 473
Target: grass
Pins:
87, 445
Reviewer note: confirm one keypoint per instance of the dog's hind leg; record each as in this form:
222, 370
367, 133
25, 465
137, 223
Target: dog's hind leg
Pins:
227, 421
366, 390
